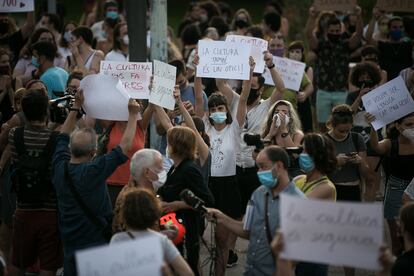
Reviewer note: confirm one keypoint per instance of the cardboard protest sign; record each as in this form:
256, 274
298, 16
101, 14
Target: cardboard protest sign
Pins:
396, 5
135, 76
389, 102
335, 233
163, 85
334, 5
258, 46
105, 98
224, 60
16, 6
143, 256
291, 72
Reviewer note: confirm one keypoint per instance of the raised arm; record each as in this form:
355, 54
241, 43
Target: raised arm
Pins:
203, 149
369, 35
310, 25
198, 91
70, 122
277, 93
28, 27
129, 133
162, 118
242, 106
146, 117
381, 147
356, 37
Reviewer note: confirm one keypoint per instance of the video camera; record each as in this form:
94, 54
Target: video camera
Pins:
255, 140
59, 108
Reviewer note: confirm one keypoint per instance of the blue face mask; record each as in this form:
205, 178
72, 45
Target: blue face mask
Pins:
306, 163
35, 62
112, 14
396, 34
219, 117
266, 179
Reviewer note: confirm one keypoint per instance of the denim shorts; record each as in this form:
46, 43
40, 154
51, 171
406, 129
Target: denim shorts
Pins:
393, 196
325, 101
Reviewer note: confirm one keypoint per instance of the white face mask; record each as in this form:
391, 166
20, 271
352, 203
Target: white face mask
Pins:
162, 177
67, 36
125, 39
409, 134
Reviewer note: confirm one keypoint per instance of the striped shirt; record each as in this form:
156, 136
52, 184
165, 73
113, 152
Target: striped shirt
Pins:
34, 140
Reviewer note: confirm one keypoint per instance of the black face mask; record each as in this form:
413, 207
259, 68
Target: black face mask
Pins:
365, 84
253, 95
4, 26
352, 29
334, 38
241, 24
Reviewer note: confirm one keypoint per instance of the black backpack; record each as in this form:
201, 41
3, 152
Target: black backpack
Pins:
31, 175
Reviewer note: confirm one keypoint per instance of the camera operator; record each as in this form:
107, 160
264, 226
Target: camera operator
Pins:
262, 218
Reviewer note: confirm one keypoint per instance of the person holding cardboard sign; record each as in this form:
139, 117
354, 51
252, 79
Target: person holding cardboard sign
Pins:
399, 151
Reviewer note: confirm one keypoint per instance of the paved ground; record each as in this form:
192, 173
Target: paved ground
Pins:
241, 247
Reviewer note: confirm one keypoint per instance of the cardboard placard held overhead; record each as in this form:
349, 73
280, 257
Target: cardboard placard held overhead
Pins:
334, 5
258, 46
16, 6
334, 233
135, 76
163, 85
396, 5
223, 60
389, 102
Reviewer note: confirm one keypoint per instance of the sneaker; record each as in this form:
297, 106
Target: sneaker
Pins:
232, 260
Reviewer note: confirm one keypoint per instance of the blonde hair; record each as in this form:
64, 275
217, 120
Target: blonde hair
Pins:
294, 125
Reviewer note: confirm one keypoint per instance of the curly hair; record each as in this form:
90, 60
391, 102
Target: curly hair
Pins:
368, 68
322, 151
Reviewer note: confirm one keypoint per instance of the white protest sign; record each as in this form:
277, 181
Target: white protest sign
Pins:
258, 46
16, 6
142, 256
389, 102
135, 76
105, 98
163, 85
336, 233
224, 60
291, 72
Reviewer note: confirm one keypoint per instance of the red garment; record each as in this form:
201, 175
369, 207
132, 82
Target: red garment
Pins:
121, 174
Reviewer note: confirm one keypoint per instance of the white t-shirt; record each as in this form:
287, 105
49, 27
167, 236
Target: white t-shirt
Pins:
409, 191
116, 56
255, 118
170, 251
223, 147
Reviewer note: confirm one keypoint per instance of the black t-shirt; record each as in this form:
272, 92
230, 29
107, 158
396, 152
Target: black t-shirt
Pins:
394, 57
14, 43
404, 265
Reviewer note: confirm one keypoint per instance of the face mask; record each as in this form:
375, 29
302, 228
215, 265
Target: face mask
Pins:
5, 70
383, 29
241, 24
295, 56
352, 29
252, 96
219, 117
104, 34
334, 38
35, 62
162, 177
203, 18
266, 179
306, 163
277, 52
67, 36
396, 34
409, 134
365, 84
112, 14
125, 39
4, 27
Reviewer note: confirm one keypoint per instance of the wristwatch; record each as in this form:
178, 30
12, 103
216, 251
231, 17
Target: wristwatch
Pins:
284, 135
271, 66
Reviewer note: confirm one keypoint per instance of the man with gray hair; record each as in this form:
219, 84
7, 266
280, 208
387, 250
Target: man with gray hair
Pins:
85, 211
146, 172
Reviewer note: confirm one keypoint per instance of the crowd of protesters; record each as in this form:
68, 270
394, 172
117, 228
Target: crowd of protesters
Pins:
71, 182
